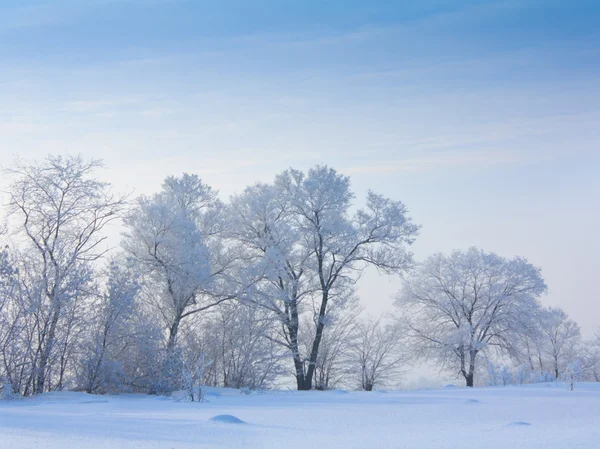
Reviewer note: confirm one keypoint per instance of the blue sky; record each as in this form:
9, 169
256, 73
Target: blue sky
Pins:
482, 116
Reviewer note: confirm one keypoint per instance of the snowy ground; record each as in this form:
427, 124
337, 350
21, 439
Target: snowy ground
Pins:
541, 416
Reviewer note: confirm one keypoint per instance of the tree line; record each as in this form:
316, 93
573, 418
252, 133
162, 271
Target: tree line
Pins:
248, 292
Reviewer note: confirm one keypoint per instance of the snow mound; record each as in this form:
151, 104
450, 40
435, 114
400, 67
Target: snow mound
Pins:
227, 419
518, 424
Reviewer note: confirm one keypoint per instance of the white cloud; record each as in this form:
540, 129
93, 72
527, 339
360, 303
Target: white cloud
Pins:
157, 112
440, 160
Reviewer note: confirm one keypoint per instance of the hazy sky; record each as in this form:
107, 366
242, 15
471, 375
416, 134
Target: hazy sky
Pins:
482, 116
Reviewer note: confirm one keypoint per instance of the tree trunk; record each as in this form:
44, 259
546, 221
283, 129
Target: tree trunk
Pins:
317, 341
40, 380
303, 383
300, 375
469, 378
173, 330
301, 380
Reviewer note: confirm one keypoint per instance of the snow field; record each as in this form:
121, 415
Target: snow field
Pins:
524, 417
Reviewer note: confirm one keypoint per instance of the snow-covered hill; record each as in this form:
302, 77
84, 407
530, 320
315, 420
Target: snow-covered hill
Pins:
525, 417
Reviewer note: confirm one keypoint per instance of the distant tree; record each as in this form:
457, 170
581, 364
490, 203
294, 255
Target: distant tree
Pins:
549, 344
528, 349
573, 373
245, 355
561, 337
459, 305
193, 372
591, 358
377, 358
500, 374
334, 365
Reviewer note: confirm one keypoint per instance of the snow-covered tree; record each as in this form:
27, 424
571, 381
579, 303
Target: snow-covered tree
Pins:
339, 244
193, 371
500, 374
377, 357
111, 331
11, 326
573, 373
459, 305
528, 348
549, 344
167, 234
58, 210
246, 356
561, 340
591, 358
176, 238
308, 250
275, 261
334, 362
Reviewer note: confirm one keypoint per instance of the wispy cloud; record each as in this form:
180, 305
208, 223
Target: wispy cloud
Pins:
99, 105
157, 112
434, 162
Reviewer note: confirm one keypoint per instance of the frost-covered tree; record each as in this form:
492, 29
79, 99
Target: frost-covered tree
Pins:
561, 340
573, 373
500, 374
459, 305
18, 318
339, 244
176, 238
591, 358
167, 234
246, 356
276, 265
528, 347
193, 371
549, 344
58, 210
334, 362
377, 356
308, 250
11, 326
111, 331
